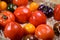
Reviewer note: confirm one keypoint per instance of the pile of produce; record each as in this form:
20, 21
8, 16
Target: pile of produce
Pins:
29, 20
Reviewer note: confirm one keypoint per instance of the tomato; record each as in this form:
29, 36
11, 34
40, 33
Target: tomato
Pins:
33, 6
29, 37
22, 14
44, 32
37, 18
6, 17
57, 12
11, 7
29, 28
20, 2
13, 30
3, 5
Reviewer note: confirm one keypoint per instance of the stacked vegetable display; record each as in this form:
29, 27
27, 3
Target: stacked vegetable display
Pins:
14, 14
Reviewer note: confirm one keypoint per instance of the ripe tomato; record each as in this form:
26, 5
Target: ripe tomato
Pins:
20, 2
44, 32
13, 31
29, 28
22, 14
6, 17
57, 12
34, 6
37, 18
3, 5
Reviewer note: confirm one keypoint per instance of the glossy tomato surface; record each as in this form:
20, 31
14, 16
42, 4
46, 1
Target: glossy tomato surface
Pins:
20, 2
30, 28
57, 12
29, 37
33, 6
37, 18
3, 5
6, 17
22, 14
44, 32
13, 31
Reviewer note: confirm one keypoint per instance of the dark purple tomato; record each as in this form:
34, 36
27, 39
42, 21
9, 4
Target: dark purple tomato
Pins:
48, 11
57, 28
29, 37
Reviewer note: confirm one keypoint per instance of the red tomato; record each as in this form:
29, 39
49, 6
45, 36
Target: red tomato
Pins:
44, 32
57, 12
20, 2
22, 14
13, 31
37, 18
6, 17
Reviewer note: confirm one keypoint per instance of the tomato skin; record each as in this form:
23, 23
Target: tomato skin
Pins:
57, 13
13, 31
30, 29
22, 14
3, 5
20, 2
34, 6
6, 17
44, 32
37, 18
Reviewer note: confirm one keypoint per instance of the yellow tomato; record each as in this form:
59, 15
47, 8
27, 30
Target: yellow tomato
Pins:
33, 6
3, 5
29, 28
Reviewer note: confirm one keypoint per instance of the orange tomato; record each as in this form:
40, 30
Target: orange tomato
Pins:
33, 6
3, 5
29, 28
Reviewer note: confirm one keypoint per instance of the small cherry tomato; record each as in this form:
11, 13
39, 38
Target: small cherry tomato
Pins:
29, 28
29, 37
33, 6
13, 31
3, 5
56, 28
6, 17
22, 14
57, 12
37, 18
44, 32
20, 2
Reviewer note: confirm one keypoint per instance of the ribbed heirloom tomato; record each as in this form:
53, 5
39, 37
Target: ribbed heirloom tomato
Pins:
20, 2
57, 12
37, 18
44, 32
6, 17
14, 31
22, 14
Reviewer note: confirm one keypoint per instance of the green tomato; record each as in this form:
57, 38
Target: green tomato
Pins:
11, 7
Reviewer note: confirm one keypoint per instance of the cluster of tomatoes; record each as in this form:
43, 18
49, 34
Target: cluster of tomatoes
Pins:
15, 12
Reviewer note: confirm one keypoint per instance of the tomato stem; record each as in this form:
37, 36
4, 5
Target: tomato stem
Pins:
5, 17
